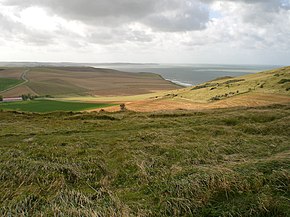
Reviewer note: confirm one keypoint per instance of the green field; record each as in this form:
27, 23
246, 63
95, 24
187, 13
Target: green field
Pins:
6, 83
231, 162
49, 106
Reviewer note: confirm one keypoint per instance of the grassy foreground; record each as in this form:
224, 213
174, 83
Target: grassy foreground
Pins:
49, 106
233, 162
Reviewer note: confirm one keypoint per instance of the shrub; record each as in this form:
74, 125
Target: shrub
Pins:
283, 81
215, 98
123, 107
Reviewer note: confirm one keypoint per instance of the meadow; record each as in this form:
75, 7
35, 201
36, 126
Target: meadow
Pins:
222, 162
6, 83
50, 106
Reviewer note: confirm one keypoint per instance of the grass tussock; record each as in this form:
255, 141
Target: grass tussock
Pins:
229, 162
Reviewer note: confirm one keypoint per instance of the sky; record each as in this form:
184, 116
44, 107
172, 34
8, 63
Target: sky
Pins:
146, 31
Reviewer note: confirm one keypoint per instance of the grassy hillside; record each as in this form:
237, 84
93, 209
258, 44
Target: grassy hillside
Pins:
260, 89
233, 162
275, 81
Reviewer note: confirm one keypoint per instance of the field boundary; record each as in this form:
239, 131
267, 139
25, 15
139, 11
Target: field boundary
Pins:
23, 77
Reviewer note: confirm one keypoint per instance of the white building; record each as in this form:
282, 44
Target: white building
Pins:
12, 99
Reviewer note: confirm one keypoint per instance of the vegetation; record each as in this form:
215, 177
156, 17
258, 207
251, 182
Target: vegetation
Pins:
269, 82
50, 106
1, 98
282, 81
28, 97
233, 162
6, 83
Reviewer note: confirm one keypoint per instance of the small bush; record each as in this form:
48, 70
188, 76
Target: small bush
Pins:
283, 81
215, 98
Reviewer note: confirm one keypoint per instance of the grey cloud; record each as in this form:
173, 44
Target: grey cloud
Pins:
107, 21
112, 36
189, 14
269, 5
258, 12
7, 25
13, 30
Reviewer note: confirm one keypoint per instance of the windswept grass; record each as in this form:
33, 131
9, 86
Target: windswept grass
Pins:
49, 106
233, 162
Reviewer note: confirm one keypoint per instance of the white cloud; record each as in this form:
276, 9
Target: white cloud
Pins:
145, 31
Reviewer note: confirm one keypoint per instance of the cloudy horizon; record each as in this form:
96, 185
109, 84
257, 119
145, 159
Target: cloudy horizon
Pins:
156, 31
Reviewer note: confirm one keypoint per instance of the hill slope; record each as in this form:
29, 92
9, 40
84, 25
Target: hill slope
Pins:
83, 81
269, 82
233, 162
264, 88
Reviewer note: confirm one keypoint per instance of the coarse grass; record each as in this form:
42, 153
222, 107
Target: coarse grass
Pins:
230, 162
49, 106
6, 83
275, 81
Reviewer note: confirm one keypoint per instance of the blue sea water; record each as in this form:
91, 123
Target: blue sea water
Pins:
191, 74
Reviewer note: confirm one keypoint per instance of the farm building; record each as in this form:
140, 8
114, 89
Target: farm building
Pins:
12, 99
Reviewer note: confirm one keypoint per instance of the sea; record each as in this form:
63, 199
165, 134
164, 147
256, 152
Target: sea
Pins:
190, 74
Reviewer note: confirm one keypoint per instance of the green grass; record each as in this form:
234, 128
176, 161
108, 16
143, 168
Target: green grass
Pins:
49, 106
233, 162
6, 83
275, 81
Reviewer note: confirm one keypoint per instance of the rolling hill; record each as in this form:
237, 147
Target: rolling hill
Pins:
146, 92
264, 88
217, 162
82, 81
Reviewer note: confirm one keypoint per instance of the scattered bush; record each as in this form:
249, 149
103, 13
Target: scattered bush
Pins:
27, 97
204, 86
283, 81
215, 98
233, 81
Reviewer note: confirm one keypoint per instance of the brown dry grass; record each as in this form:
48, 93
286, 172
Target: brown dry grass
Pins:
246, 100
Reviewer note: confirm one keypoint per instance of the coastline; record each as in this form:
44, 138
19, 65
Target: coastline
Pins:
179, 83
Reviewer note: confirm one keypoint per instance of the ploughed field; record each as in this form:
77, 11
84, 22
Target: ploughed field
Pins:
82, 81
226, 162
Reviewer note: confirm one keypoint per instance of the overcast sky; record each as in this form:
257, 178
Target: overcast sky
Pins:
162, 31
